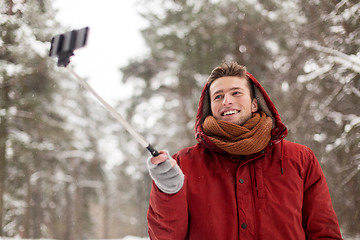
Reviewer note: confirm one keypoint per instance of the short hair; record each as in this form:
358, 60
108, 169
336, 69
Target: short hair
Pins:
231, 69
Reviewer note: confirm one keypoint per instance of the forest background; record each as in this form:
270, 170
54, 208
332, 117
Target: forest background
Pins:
54, 182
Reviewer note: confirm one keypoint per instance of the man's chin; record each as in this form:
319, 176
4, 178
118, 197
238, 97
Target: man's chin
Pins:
234, 121
242, 121
238, 120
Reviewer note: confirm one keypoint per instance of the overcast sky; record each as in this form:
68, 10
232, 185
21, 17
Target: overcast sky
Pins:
113, 39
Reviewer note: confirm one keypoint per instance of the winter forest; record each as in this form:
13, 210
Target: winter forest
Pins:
54, 182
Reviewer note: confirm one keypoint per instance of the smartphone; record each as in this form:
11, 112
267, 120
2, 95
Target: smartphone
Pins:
63, 45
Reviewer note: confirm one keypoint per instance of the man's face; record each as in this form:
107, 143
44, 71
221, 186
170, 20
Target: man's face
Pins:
231, 101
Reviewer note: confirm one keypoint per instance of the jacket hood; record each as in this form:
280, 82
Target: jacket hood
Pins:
265, 104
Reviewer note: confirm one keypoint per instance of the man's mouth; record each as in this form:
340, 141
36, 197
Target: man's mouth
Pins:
231, 112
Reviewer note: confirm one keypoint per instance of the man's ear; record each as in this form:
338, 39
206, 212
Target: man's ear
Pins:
254, 105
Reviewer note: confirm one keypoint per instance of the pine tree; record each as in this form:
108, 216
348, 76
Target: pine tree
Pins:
49, 150
325, 85
305, 53
25, 86
187, 39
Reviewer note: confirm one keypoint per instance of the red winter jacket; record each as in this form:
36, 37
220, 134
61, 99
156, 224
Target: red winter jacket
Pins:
279, 193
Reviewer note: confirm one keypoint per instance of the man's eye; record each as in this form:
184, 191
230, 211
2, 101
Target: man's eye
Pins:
217, 97
236, 93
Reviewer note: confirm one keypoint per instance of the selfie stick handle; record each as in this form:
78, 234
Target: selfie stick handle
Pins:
115, 114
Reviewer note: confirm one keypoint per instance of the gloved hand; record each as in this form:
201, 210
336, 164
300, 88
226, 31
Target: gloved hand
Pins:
166, 173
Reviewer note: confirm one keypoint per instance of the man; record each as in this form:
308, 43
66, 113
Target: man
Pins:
243, 180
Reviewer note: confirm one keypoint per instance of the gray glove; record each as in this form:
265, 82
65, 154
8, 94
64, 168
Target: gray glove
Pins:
167, 178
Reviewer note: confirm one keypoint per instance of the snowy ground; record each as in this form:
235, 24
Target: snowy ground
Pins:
125, 238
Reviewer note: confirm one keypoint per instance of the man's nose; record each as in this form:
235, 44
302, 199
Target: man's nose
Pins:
227, 100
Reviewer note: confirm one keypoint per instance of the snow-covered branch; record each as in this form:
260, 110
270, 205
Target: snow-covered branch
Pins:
349, 61
342, 140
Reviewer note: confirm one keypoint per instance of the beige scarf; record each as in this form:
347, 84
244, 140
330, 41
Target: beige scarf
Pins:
251, 137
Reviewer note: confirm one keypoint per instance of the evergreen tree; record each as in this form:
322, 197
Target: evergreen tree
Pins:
324, 84
305, 53
78, 178
26, 86
49, 151
187, 39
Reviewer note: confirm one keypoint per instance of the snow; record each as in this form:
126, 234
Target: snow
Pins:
351, 62
320, 137
285, 87
342, 140
272, 46
319, 71
132, 238
125, 238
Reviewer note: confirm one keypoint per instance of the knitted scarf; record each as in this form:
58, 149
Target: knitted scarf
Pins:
251, 137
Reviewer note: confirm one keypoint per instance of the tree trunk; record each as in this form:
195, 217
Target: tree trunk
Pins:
3, 137
28, 204
68, 213
4, 105
106, 211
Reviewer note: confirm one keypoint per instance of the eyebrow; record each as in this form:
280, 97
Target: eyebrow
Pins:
231, 89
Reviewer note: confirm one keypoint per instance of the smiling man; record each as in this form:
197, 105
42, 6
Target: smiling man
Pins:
231, 99
243, 180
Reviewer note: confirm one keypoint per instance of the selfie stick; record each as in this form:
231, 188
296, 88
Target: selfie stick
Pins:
64, 60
